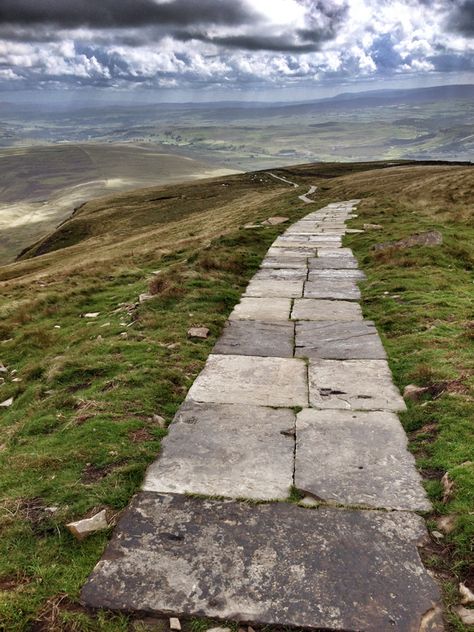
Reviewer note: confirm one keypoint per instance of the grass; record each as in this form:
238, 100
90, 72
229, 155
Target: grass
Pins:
81, 432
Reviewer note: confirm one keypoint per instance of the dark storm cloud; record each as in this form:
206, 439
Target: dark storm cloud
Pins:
462, 17
124, 13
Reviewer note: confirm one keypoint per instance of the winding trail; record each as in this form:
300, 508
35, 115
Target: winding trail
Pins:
296, 395
305, 197
294, 184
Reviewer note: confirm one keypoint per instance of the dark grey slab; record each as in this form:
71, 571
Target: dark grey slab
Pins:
269, 564
357, 458
257, 338
343, 289
332, 263
338, 341
217, 450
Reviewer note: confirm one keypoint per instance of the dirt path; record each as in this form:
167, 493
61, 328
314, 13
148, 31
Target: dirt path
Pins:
295, 403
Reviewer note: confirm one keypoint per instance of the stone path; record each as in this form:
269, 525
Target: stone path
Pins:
297, 393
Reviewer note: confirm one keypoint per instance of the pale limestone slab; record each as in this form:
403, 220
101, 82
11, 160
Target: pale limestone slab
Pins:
329, 240
335, 252
353, 385
267, 309
316, 309
234, 379
299, 245
343, 289
285, 251
351, 340
257, 338
275, 263
361, 459
332, 263
274, 288
271, 564
292, 274
334, 273
216, 450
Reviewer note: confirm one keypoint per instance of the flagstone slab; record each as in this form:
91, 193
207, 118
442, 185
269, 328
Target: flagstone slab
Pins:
353, 385
257, 338
298, 262
216, 450
270, 564
333, 273
295, 274
274, 288
332, 263
335, 252
328, 239
351, 340
357, 458
236, 379
295, 251
344, 289
268, 309
317, 309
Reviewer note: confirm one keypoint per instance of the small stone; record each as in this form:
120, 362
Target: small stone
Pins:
57, 326
8, 402
466, 615
219, 629
252, 225
437, 535
414, 392
3, 369
172, 345
91, 314
175, 624
123, 334
198, 332
448, 487
145, 297
467, 596
373, 226
159, 421
309, 501
99, 338
106, 325
51, 510
17, 379
446, 524
273, 221
82, 528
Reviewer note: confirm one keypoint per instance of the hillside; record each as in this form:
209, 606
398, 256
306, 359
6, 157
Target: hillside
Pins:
86, 391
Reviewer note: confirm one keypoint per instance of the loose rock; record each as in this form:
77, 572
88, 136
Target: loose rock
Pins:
373, 226
414, 392
91, 314
219, 629
273, 221
446, 524
159, 421
430, 238
145, 297
175, 624
448, 487
3, 369
466, 615
467, 596
8, 402
82, 528
198, 332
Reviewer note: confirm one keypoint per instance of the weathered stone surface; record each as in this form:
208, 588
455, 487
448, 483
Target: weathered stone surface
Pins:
414, 392
357, 458
257, 338
343, 289
315, 309
274, 221
297, 262
228, 379
7, 403
338, 341
226, 450
335, 252
267, 309
284, 274
272, 288
373, 227
82, 528
294, 251
353, 385
198, 332
175, 624
430, 238
332, 263
329, 240
271, 564
334, 274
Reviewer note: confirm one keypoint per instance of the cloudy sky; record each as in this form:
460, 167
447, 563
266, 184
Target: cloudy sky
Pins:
233, 48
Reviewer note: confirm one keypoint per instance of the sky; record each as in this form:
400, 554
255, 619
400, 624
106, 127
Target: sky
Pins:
232, 49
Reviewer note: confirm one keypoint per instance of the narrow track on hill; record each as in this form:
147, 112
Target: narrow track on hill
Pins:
295, 410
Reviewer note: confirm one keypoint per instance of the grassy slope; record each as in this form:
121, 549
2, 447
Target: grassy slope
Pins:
80, 432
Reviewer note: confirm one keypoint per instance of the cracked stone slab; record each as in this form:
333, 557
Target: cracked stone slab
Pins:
332, 263
272, 288
351, 340
335, 252
354, 274
357, 458
235, 379
268, 564
268, 309
292, 274
285, 251
257, 338
297, 263
353, 385
316, 309
343, 289
216, 450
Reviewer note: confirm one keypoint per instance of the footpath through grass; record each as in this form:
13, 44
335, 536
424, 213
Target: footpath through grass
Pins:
421, 300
